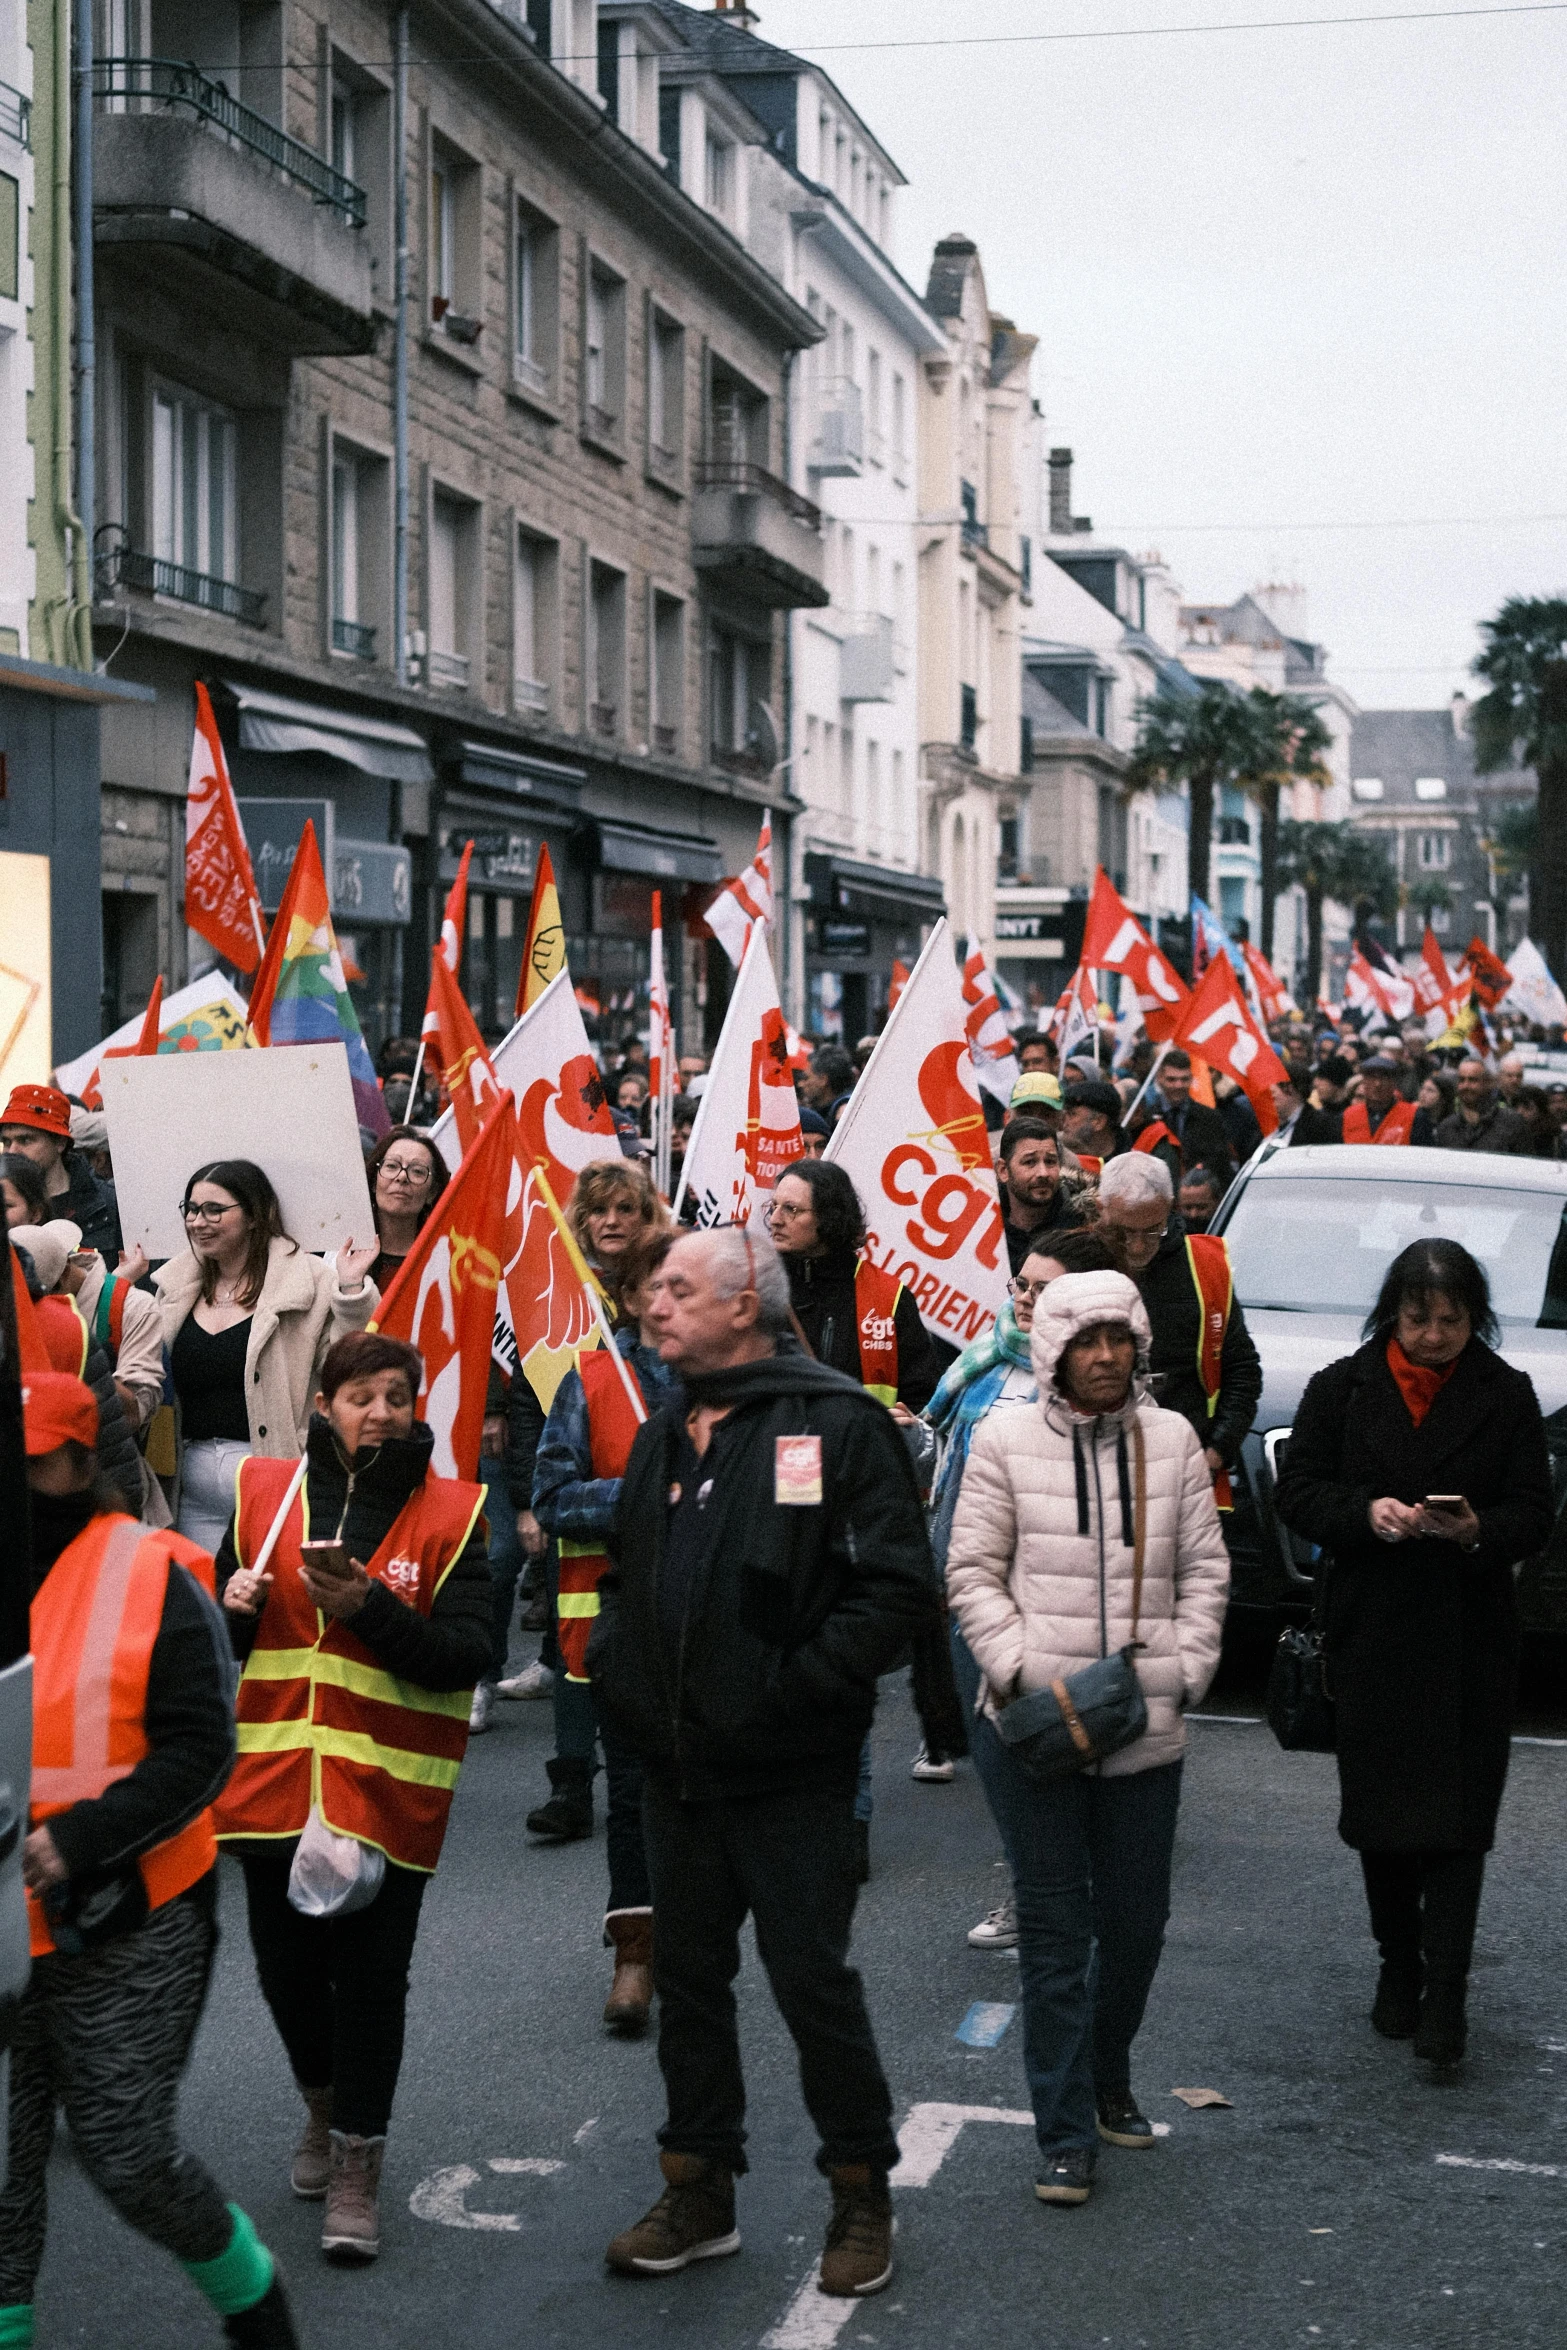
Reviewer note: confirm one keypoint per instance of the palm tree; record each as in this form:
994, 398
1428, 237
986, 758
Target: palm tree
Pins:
1204, 741
1334, 861
1524, 716
1289, 738
1426, 898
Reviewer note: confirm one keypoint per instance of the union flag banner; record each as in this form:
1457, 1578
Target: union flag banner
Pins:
661, 1049
1217, 1025
989, 1037
448, 950
1489, 976
459, 1051
748, 1122
204, 1017
443, 1301
912, 1141
546, 1063
544, 941
1075, 1020
301, 994
896, 985
1114, 940
547, 1302
742, 905
1273, 997
221, 898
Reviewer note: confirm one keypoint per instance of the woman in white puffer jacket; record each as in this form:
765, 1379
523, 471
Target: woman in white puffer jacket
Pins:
1039, 1578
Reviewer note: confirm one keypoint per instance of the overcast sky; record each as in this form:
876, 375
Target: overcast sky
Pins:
1279, 279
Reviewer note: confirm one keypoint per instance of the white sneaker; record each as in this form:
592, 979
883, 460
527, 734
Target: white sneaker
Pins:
933, 1774
998, 1931
481, 1710
534, 1680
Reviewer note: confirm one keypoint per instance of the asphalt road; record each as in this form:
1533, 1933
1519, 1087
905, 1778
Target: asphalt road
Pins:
1343, 2200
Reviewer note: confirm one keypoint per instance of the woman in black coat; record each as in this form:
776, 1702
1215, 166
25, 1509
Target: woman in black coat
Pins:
1420, 1467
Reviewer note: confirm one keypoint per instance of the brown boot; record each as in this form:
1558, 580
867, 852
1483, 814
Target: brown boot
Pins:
351, 2229
694, 2219
631, 1993
857, 2257
312, 2163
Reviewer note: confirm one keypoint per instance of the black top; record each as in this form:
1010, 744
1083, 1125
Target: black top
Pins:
209, 1379
1175, 1316
384, 1271
1061, 1216
821, 1290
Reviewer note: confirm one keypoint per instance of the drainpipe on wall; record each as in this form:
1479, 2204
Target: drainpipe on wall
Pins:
784, 861
400, 368
64, 610
86, 350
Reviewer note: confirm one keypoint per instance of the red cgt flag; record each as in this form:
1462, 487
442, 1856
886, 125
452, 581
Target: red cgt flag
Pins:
1489, 976
457, 1048
1217, 1024
443, 1300
221, 899
448, 950
1114, 940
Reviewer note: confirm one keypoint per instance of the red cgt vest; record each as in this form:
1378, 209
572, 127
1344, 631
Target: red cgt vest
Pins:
319, 1719
876, 1295
1153, 1134
94, 1621
1396, 1127
1215, 1283
612, 1431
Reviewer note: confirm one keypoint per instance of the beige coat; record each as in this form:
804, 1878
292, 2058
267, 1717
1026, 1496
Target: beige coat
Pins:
1039, 1575
139, 1363
300, 1311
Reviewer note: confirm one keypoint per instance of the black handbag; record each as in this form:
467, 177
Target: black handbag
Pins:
1299, 1704
1083, 1716
82, 1919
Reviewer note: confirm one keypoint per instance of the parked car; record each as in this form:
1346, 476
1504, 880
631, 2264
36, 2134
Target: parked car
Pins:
16, 1687
1311, 1234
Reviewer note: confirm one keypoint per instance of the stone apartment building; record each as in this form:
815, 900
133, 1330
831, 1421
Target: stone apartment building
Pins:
496, 546
1415, 789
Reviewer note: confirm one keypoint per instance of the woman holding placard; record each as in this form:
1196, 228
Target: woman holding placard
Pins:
247, 1318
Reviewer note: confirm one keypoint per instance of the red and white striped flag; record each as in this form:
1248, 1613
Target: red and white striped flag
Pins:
741, 904
660, 1049
1075, 1020
989, 1038
448, 950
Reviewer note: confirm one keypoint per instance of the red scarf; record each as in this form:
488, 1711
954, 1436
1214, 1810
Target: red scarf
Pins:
1418, 1386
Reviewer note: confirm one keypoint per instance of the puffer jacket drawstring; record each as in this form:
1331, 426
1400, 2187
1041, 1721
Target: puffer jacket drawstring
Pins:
1128, 1530
1081, 1466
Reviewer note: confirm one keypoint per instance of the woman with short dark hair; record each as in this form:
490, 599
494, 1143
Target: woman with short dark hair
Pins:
1419, 1466
406, 1175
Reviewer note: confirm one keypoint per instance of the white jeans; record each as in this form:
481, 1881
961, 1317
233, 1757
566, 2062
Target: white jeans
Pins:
208, 1470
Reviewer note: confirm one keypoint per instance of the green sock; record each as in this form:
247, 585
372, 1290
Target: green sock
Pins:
240, 2276
16, 2325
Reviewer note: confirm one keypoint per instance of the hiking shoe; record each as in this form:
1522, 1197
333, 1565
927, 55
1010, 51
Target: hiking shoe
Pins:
1395, 2012
482, 1708
351, 2228
568, 1814
266, 2324
534, 1680
1442, 2032
999, 1930
1120, 2122
630, 1998
1067, 2177
312, 2163
857, 2256
933, 1770
694, 2219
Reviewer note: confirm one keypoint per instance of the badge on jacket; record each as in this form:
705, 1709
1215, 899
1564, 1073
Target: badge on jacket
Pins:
797, 1471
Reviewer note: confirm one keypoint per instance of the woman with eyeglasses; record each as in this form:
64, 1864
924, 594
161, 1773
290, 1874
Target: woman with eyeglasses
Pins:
247, 1318
407, 1175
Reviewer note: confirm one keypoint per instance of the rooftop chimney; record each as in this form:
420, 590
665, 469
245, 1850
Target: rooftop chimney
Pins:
1460, 712
737, 13
1060, 493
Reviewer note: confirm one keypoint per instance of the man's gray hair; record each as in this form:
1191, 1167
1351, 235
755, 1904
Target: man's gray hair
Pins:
1137, 1179
747, 1259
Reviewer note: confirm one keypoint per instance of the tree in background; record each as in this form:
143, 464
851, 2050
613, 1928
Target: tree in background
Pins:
1522, 720
1201, 741
1288, 740
1426, 898
1334, 861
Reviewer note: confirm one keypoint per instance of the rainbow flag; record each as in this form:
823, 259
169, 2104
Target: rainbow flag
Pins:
300, 995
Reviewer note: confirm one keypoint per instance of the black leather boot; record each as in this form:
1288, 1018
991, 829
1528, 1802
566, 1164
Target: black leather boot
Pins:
1396, 2012
568, 1814
1443, 2030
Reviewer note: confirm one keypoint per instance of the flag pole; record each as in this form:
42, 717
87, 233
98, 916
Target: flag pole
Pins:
1158, 1064
413, 1086
590, 1290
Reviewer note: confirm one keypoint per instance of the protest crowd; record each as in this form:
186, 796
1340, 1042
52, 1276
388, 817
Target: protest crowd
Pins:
617, 1389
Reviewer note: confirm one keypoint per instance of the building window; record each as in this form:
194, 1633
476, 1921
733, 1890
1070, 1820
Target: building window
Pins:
1008, 837
534, 297
606, 648
740, 675
1368, 787
719, 182
666, 394
10, 236
668, 674
357, 551
538, 22
737, 422
900, 428
533, 625
1025, 564
1435, 851
1430, 787
669, 128
193, 489
604, 354
453, 590
454, 272
875, 444
968, 717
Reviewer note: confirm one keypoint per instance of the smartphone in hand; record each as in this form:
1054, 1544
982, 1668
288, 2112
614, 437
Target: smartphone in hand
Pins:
326, 1558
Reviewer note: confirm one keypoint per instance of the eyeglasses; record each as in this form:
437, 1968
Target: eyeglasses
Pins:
1026, 1291
406, 1170
787, 1209
208, 1212
1132, 1233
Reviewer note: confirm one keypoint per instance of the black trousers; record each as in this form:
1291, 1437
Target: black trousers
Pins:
789, 1861
1423, 1907
337, 1987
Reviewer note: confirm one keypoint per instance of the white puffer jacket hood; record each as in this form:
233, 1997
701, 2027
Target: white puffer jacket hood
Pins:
1075, 1303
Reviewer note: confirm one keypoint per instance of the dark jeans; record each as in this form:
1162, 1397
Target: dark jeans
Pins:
788, 1860
1425, 1905
1091, 1869
578, 1735
966, 1676
506, 1563
337, 1987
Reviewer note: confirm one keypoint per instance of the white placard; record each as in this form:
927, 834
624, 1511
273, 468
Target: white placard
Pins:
290, 1109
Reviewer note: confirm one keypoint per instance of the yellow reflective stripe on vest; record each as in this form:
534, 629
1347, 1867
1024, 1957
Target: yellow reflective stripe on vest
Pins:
579, 1550
886, 1395
577, 1603
417, 1770
346, 1672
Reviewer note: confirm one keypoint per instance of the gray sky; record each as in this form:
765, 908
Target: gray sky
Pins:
1279, 278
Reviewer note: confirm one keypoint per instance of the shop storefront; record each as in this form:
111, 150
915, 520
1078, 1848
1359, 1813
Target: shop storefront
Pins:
859, 921
510, 805
632, 861
1039, 937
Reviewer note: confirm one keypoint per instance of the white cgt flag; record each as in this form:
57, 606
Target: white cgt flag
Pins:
748, 1122
746, 904
546, 1063
913, 1143
1534, 992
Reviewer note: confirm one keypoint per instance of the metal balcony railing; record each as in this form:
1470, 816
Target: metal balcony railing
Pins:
16, 116
448, 672
730, 473
531, 694
351, 636
162, 578
137, 85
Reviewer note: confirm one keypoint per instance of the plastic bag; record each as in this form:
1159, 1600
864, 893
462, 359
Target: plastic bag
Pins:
333, 1875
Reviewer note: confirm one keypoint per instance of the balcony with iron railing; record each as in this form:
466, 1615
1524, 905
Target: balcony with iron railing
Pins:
188, 181
16, 116
838, 433
156, 575
353, 638
754, 534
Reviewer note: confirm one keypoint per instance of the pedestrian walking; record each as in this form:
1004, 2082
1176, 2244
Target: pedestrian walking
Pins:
36, 1124
48, 1257
1083, 1526
1482, 1122
359, 1664
1035, 1203
769, 1561
1419, 1465
247, 1319
133, 1739
581, 1460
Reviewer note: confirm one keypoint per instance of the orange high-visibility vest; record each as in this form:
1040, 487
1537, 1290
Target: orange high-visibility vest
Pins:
1215, 1283
319, 1719
64, 1332
1093, 1168
1153, 1134
1396, 1127
876, 1295
94, 1623
612, 1431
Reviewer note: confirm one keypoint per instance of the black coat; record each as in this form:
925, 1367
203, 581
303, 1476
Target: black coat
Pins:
821, 1290
1204, 1139
1175, 1317
1063, 1217
1421, 1637
1315, 1126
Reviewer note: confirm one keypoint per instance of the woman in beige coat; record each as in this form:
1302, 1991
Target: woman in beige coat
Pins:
1040, 1581
247, 1319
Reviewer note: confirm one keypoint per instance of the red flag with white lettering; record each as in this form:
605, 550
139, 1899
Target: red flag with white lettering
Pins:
221, 899
1217, 1024
458, 1050
1114, 940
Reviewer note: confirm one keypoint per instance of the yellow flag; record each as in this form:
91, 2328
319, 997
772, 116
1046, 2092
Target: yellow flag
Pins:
544, 948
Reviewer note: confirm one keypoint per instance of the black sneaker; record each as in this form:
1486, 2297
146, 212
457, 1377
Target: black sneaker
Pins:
1067, 2177
1396, 2010
1442, 2032
1120, 2122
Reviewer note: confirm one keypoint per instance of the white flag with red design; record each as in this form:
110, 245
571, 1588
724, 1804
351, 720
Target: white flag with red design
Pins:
1075, 1020
743, 905
912, 1141
985, 1025
1383, 997
660, 1048
1217, 1026
1268, 991
1114, 940
748, 1121
448, 949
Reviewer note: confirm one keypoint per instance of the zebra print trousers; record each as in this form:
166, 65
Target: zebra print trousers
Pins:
107, 2036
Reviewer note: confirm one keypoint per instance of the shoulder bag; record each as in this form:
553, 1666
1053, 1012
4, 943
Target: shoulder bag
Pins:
1299, 1704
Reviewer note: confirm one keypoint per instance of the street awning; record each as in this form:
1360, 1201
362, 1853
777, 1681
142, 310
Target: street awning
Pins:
275, 722
917, 893
666, 856
520, 772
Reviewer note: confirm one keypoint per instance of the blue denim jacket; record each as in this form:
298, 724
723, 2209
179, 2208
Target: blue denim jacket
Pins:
568, 1500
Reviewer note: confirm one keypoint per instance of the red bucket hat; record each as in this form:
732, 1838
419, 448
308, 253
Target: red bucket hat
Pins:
41, 1106
56, 1410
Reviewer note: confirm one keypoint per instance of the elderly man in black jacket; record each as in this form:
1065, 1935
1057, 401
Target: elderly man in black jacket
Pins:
769, 1562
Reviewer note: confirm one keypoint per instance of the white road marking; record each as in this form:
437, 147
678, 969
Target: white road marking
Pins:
591, 2123
533, 2165
441, 2197
1236, 1721
1532, 2170
1540, 1741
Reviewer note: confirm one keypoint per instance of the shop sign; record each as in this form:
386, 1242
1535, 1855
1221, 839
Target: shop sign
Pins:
372, 881
497, 856
851, 940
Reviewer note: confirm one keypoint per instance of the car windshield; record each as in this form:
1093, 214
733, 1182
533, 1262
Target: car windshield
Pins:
1303, 1245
